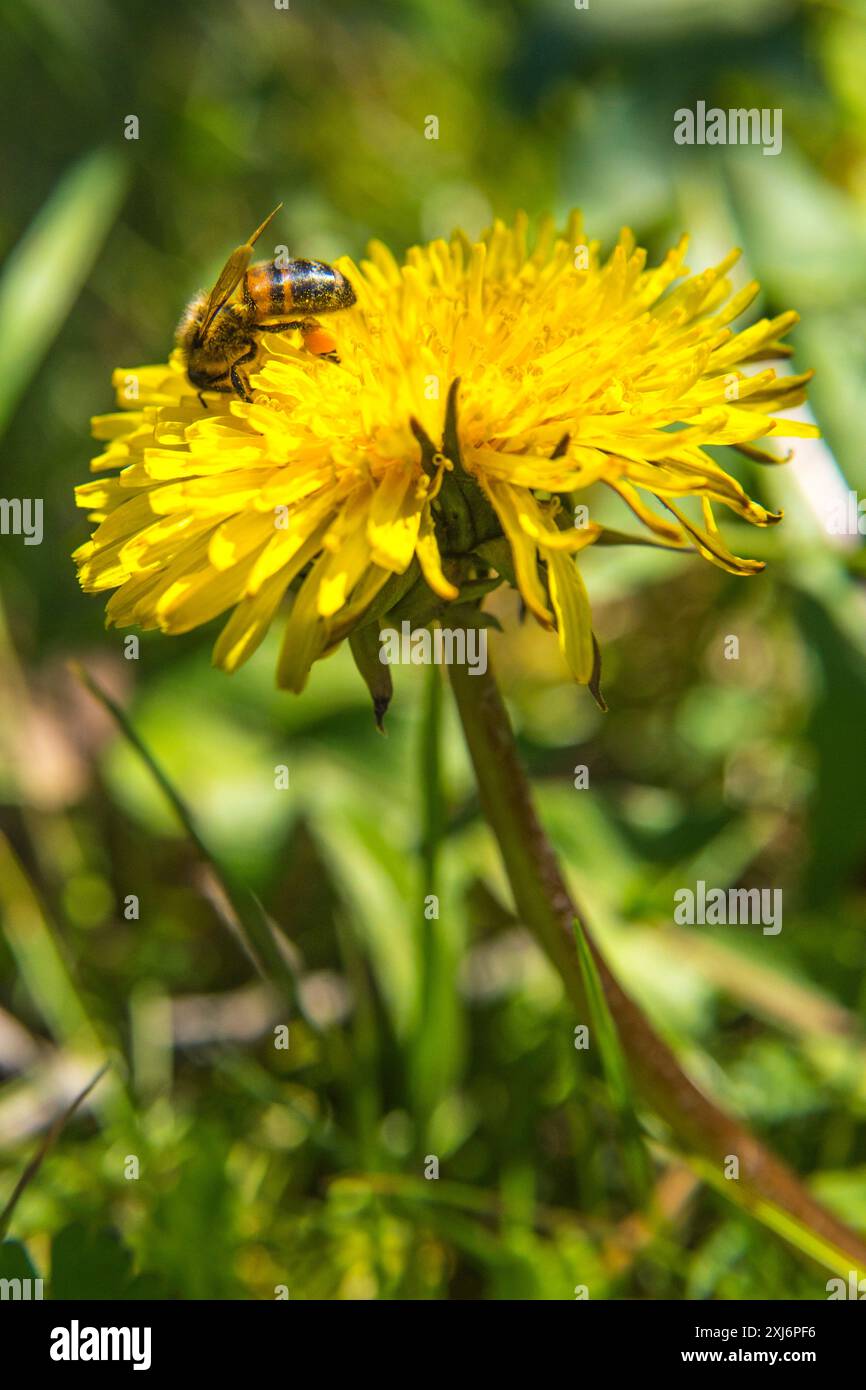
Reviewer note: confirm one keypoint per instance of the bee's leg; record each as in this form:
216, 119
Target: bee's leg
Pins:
220, 390
280, 327
238, 381
307, 326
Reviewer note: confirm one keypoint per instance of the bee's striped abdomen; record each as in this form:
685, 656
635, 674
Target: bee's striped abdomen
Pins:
307, 286
270, 288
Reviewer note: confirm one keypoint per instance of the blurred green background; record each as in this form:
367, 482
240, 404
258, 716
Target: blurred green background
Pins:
260, 1167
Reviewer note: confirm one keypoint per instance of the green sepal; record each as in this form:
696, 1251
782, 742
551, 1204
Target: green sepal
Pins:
365, 647
594, 682
497, 554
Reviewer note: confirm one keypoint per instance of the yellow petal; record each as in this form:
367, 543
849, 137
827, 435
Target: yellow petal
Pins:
427, 550
510, 505
340, 571
248, 624
573, 615
395, 512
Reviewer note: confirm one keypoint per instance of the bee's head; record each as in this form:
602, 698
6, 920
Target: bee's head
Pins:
202, 377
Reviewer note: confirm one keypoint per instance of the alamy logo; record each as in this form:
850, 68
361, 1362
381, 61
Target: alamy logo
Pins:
737, 126
24, 1289
75, 1343
443, 646
713, 907
855, 1287
22, 516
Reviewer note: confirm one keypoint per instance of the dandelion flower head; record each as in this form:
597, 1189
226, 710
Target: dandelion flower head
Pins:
481, 388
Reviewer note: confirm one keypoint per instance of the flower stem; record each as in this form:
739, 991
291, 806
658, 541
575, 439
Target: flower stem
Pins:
766, 1186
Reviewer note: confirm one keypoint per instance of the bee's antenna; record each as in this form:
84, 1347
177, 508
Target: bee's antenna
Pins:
257, 233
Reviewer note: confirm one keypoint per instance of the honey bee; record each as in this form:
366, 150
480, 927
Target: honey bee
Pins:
219, 330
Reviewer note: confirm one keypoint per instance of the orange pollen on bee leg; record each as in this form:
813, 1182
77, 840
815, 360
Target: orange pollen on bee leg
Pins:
319, 341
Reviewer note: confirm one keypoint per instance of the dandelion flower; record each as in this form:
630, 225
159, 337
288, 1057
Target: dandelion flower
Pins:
480, 389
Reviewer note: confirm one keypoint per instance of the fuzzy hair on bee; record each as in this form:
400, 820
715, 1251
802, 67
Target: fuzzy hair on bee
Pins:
218, 333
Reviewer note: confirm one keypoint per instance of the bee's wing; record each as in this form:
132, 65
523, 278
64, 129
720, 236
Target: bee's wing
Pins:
232, 271
229, 278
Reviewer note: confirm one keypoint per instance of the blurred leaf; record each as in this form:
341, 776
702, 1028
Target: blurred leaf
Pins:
40, 959
250, 915
845, 1193
838, 840
800, 1236
44, 274
89, 1263
15, 1261
785, 207
375, 883
615, 1067
47, 1143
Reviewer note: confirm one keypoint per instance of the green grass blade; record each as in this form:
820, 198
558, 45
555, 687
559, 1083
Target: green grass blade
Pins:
775, 1218
48, 1141
615, 1070
44, 274
250, 915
